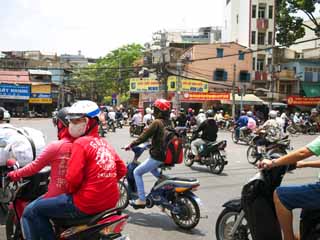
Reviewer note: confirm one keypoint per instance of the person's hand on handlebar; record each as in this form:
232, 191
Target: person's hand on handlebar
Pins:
13, 176
266, 164
127, 148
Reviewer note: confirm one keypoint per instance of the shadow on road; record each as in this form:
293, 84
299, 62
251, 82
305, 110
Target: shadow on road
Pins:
157, 220
206, 170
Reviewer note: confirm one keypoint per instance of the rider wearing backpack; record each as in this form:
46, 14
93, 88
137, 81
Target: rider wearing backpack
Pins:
156, 132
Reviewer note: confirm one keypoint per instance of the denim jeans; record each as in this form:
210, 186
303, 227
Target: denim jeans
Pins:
150, 165
28, 222
56, 207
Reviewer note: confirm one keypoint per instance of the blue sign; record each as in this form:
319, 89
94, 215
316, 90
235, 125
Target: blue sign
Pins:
13, 91
40, 95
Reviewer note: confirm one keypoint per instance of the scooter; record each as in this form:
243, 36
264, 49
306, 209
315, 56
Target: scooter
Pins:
212, 154
245, 136
169, 193
136, 129
102, 226
253, 215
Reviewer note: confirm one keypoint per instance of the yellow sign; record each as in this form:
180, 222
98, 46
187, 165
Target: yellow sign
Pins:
46, 88
187, 85
144, 85
40, 100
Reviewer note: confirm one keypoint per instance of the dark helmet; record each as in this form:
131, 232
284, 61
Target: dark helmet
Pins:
210, 113
1, 114
61, 116
182, 110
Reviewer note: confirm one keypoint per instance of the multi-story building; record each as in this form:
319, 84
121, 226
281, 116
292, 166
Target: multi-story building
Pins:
251, 23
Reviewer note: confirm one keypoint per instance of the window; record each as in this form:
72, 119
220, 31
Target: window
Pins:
308, 75
289, 89
254, 11
220, 75
253, 64
260, 64
262, 12
219, 52
241, 55
270, 38
269, 61
244, 76
261, 38
253, 37
295, 70
270, 12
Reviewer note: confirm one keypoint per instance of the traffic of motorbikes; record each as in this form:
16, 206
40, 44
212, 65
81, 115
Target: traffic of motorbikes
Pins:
239, 218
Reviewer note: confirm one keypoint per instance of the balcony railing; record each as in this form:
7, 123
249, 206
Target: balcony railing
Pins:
260, 76
262, 24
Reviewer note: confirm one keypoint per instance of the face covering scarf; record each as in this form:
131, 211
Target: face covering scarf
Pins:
77, 130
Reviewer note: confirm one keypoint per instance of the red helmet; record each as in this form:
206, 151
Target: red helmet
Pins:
162, 104
190, 110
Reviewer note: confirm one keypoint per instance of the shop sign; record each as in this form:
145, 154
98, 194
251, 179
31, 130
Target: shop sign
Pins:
138, 85
205, 96
12, 91
303, 101
187, 85
41, 94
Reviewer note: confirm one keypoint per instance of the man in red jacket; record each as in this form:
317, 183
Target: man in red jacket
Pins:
93, 172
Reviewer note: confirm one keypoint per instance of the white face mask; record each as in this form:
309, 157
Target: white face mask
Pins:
77, 130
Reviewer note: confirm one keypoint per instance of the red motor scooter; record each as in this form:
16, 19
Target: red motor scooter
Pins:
103, 226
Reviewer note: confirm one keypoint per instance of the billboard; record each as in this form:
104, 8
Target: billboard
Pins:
210, 96
41, 94
13, 91
144, 85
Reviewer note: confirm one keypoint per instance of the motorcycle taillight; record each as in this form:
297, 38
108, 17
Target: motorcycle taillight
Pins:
114, 228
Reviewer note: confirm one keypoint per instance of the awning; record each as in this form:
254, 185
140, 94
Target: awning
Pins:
311, 89
248, 99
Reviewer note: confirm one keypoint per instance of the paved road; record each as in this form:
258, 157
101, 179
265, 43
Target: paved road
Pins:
214, 189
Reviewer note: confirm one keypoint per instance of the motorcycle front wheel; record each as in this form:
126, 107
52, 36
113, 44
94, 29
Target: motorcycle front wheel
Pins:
186, 212
12, 231
124, 195
252, 154
224, 225
188, 161
216, 163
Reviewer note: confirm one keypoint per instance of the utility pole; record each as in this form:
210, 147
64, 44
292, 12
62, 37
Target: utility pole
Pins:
233, 93
178, 84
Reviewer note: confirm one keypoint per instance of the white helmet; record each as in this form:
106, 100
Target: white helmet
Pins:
148, 110
273, 114
201, 111
249, 114
83, 108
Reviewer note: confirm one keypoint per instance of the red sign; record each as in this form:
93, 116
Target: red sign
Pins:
187, 96
305, 101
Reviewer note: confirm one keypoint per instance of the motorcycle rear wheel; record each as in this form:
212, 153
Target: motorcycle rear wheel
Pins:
233, 136
189, 215
225, 223
216, 163
187, 160
123, 201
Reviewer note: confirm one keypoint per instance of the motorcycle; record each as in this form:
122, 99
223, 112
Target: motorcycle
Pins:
257, 151
242, 218
136, 129
102, 129
169, 193
111, 125
212, 154
102, 226
119, 123
244, 136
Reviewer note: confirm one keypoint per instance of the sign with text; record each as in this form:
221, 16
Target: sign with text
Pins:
303, 101
41, 94
210, 96
13, 91
187, 85
144, 85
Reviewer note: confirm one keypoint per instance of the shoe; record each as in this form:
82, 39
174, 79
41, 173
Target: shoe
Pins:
137, 204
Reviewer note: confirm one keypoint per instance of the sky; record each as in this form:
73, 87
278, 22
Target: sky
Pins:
98, 26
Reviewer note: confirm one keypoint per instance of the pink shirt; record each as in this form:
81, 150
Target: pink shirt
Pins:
56, 155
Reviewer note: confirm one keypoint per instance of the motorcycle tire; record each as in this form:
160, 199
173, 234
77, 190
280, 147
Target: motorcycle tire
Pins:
252, 154
223, 227
187, 160
124, 195
12, 231
131, 132
293, 132
233, 136
189, 212
216, 165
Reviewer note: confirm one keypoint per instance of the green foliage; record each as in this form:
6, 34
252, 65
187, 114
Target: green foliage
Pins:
290, 27
110, 74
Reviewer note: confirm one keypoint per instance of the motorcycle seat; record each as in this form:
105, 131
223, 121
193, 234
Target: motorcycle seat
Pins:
190, 180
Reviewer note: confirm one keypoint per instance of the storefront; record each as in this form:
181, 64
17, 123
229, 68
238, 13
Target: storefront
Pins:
297, 103
14, 98
41, 99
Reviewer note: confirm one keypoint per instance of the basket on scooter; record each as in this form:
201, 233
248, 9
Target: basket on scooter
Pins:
37, 185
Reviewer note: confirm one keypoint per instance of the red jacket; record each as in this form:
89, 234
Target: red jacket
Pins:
56, 155
94, 170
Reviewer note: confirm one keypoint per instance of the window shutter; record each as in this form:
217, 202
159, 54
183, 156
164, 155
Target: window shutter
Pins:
225, 76
215, 75
248, 77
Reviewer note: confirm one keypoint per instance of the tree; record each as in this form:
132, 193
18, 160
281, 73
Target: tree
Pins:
110, 74
290, 26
